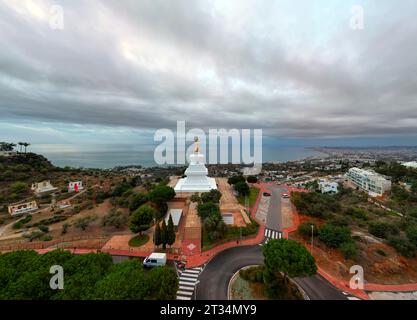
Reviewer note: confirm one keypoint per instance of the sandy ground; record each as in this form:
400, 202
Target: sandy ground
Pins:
378, 295
229, 203
286, 213
262, 212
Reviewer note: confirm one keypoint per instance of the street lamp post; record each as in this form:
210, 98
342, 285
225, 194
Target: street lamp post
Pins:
312, 238
154, 245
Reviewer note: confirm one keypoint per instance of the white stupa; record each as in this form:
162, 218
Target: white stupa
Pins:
197, 179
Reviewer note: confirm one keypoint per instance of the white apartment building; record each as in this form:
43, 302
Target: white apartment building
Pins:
369, 181
412, 164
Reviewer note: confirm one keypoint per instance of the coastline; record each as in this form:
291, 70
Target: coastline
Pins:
126, 156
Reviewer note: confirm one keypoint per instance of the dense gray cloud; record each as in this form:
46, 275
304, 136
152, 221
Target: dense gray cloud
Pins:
293, 68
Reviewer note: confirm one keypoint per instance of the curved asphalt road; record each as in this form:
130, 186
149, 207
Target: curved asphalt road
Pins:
215, 277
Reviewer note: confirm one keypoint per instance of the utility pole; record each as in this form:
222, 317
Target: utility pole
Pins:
154, 245
312, 238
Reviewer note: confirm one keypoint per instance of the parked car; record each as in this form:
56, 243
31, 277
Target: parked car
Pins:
285, 195
155, 260
266, 194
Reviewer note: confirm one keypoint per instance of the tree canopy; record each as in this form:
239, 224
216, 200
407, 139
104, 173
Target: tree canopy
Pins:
242, 188
205, 210
161, 194
235, 179
288, 257
24, 275
142, 218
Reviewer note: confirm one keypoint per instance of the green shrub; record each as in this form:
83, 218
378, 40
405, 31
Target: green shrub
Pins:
315, 204
19, 187
252, 179
305, 229
253, 274
412, 234
115, 219
381, 252
383, 229
65, 227
358, 213
19, 224
47, 238
349, 250
334, 236
43, 228
83, 223
55, 219
340, 221
403, 246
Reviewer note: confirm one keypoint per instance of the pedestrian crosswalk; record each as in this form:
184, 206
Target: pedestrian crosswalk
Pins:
349, 296
187, 283
271, 234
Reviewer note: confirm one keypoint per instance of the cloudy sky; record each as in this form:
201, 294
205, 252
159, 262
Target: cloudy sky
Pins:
118, 70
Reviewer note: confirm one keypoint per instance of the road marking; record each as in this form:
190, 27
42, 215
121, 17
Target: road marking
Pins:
192, 272
187, 282
189, 275
353, 298
188, 279
266, 230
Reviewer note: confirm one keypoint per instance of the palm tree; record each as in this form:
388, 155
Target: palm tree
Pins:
4, 146
10, 146
25, 144
20, 145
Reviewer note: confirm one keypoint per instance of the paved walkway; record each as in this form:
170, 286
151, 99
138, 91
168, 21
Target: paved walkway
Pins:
204, 257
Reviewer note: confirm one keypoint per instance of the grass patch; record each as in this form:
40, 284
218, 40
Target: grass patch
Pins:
253, 195
138, 240
232, 234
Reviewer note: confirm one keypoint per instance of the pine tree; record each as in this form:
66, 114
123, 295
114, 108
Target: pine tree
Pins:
170, 232
164, 234
157, 236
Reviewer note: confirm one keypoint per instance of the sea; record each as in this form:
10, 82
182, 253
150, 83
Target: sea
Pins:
115, 155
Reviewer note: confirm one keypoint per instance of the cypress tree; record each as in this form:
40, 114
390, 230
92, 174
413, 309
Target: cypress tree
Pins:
157, 236
164, 234
170, 231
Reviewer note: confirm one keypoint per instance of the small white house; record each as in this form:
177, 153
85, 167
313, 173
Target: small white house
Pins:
43, 187
19, 209
328, 187
75, 186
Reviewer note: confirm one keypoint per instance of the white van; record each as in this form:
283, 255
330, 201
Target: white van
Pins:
155, 260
